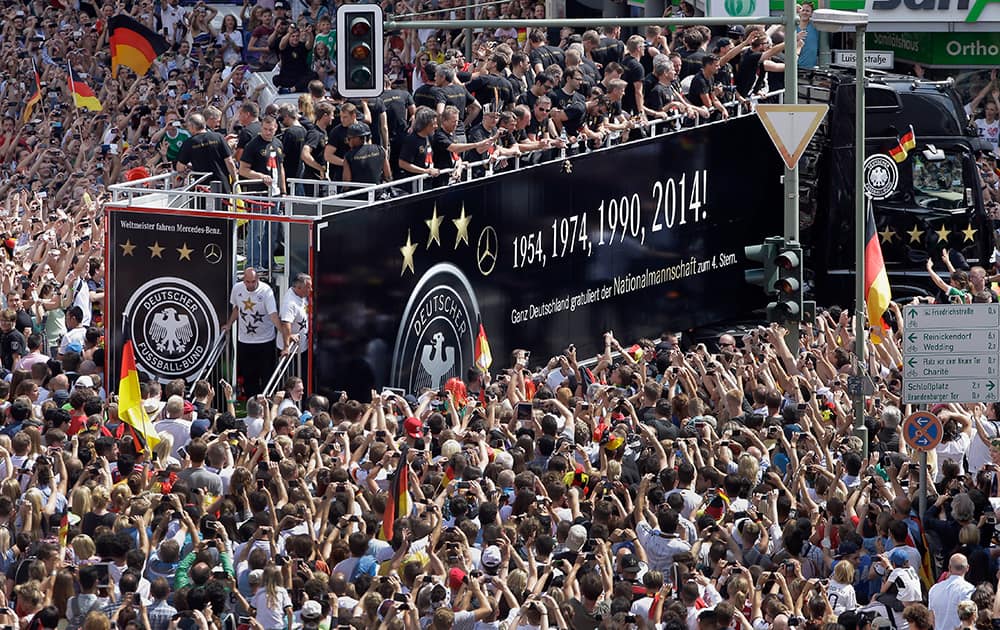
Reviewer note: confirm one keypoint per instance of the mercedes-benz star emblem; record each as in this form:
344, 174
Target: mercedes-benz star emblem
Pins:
487, 250
213, 253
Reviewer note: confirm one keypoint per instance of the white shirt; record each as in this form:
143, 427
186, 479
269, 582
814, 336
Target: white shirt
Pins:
660, 551
955, 451
256, 308
171, 17
78, 334
842, 597
943, 599
979, 451
82, 299
271, 617
254, 427
691, 500
295, 310
179, 429
989, 131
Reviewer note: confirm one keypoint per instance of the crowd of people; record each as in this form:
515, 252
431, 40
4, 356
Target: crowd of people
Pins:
669, 485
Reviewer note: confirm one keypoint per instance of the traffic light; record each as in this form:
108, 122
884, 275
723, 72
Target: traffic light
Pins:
789, 307
765, 255
359, 50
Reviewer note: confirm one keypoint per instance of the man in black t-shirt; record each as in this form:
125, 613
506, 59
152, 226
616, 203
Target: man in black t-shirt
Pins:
262, 161
541, 55
364, 162
544, 83
428, 94
248, 118
702, 90
293, 138
446, 149
293, 49
490, 89
633, 76
569, 92
12, 342
399, 109
206, 152
415, 156
455, 95
371, 111
314, 149
336, 142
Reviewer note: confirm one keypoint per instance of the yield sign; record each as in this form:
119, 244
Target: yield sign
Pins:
791, 127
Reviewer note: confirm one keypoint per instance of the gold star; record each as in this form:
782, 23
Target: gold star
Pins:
969, 234
943, 234
248, 305
462, 225
434, 224
915, 234
127, 248
185, 252
407, 252
887, 235
155, 250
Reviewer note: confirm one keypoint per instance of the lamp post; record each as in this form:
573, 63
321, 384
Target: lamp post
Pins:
833, 20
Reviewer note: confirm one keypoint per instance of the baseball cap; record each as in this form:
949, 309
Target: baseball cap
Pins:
413, 427
61, 396
491, 558
576, 537
84, 381
358, 130
455, 578
898, 557
846, 548
188, 407
281, 4
630, 563
311, 611
74, 346
255, 577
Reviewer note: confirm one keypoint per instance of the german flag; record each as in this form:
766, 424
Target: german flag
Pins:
35, 97
130, 409
398, 504
877, 291
134, 45
484, 358
909, 140
83, 96
898, 152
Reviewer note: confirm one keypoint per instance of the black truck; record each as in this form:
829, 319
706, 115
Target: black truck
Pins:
937, 203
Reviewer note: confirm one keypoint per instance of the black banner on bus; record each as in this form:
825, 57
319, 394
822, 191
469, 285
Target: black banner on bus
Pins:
169, 282
636, 239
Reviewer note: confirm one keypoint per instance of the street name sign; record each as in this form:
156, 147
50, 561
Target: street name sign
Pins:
951, 353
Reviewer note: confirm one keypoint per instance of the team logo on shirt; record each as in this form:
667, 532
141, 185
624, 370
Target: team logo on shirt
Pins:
437, 333
172, 324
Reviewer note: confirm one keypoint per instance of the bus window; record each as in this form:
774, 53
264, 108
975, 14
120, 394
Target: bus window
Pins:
938, 184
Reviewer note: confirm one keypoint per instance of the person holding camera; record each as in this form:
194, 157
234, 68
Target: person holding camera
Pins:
294, 74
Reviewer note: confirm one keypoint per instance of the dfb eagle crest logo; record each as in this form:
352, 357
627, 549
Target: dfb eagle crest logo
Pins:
173, 327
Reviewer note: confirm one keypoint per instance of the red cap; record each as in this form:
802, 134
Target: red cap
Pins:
413, 427
455, 578
188, 407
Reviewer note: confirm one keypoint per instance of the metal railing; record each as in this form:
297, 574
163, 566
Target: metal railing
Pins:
188, 190
286, 361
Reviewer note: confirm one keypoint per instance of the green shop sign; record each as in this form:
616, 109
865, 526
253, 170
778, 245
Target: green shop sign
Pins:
941, 49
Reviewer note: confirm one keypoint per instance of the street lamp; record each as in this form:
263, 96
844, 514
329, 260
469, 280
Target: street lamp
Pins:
834, 21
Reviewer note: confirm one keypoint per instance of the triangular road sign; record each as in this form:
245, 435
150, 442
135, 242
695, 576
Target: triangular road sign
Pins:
791, 127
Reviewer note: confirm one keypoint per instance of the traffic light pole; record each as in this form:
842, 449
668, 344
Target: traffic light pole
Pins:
791, 178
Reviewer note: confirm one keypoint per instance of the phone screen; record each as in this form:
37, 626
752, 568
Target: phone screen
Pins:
524, 411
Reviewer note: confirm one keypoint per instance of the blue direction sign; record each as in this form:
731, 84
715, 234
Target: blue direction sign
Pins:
922, 430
